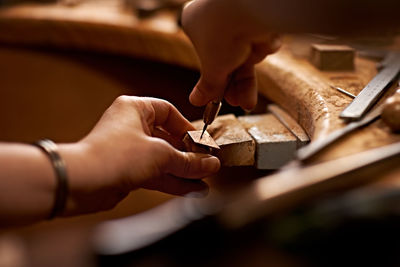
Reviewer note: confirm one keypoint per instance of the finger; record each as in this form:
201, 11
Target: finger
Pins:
178, 186
275, 43
261, 48
184, 164
192, 165
169, 118
243, 89
208, 88
172, 140
247, 85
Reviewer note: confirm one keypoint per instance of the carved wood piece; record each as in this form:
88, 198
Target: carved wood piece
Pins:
237, 148
332, 57
275, 144
194, 143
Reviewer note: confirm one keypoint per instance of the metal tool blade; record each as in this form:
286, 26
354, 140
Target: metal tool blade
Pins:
317, 146
374, 89
204, 129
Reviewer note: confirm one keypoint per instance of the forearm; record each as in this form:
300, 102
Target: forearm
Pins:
28, 182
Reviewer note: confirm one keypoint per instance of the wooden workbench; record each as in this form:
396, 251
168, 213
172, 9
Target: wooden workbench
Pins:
109, 30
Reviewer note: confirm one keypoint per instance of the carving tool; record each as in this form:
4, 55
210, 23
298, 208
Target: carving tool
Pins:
374, 89
212, 108
210, 113
344, 91
316, 146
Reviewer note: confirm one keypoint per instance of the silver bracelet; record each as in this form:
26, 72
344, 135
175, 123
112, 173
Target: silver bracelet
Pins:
61, 192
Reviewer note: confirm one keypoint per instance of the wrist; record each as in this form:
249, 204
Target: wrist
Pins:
93, 181
72, 153
80, 169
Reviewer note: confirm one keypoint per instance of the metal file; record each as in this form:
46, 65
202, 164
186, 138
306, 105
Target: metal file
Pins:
374, 89
317, 146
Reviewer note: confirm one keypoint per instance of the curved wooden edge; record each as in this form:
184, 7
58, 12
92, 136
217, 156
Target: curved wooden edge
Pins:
93, 28
306, 93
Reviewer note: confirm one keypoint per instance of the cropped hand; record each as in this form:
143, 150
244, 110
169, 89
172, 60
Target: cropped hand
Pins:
136, 144
228, 45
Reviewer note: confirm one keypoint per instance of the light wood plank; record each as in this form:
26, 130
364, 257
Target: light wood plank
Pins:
275, 144
290, 124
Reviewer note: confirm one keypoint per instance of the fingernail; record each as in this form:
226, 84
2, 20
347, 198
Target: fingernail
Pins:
210, 164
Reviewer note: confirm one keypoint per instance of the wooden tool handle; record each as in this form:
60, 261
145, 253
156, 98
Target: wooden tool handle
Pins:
391, 111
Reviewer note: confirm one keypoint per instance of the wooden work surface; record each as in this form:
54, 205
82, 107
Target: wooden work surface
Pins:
289, 81
306, 93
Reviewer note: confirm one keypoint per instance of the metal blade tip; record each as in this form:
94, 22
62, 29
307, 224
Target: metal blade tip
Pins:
204, 129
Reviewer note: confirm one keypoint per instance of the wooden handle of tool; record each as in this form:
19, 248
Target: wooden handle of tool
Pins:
391, 111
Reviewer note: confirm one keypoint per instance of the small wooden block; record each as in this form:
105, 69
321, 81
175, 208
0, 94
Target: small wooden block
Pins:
332, 57
275, 144
237, 148
194, 143
290, 124
205, 140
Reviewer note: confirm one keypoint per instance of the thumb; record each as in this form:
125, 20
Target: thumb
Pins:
189, 165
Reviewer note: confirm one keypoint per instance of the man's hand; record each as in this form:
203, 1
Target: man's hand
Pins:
136, 144
228, 45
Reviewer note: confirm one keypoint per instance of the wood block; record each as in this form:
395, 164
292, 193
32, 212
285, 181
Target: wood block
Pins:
237, 147
290, 124
275, 144
332, 57
194, 143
